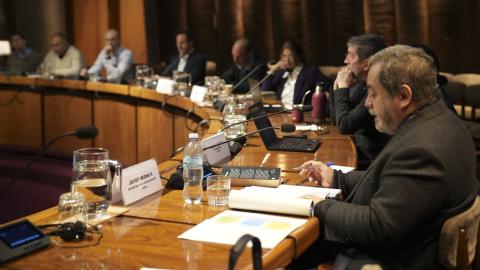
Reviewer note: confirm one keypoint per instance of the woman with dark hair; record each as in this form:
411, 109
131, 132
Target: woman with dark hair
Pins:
291, 77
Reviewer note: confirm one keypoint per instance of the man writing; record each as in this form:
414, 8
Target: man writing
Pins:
116, 60
393, 212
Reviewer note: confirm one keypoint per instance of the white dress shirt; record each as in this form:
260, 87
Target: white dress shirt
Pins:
118, 65
289, 87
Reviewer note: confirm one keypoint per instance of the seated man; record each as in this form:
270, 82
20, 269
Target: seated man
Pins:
23, 59
244, 62
63, 59
393, 212
292, 77
349, 94
187, 60
116, 60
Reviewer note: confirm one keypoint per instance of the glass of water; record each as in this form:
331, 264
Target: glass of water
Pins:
218, 189
92, 178
234, 113
71, 207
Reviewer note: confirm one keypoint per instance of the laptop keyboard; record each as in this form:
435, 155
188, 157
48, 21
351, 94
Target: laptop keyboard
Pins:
291, 143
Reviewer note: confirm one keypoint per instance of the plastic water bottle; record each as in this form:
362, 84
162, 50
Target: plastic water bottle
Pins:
192, 170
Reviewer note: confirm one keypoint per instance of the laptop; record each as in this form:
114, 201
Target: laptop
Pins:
270, 139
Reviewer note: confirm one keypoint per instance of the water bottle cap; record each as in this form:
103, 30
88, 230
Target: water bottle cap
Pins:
192, 136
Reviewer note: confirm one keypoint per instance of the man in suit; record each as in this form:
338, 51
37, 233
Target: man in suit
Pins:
292, 77
188, 59
393, 212
244, 62
349, 94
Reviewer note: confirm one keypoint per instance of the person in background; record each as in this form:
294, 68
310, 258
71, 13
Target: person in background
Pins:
393, 213
349, 94
23, 59
188, 59
244, 62
441, 80
115, 59
63, 59
291, 77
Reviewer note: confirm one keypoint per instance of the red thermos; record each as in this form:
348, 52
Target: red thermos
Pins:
319, 101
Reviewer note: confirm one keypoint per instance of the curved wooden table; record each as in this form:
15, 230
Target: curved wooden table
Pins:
146, 235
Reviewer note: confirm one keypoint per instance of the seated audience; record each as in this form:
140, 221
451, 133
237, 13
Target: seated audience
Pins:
292, 77
244, 62
392, 214
23, 59
115, 59
63, 59
349, 94
188, 59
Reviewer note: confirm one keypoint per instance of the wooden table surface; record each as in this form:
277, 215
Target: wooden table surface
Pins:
146, 235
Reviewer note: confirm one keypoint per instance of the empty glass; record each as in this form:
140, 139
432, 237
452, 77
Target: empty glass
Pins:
218, 189
142, 73
71, 207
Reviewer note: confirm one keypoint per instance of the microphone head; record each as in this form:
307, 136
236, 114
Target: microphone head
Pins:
86, 132
288, 128
241, 139
306, 108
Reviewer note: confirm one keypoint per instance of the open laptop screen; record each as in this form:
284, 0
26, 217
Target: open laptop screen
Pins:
268, 136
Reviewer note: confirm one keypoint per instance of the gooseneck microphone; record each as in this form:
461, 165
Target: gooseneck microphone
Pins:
86, 132
246, 77
305, 108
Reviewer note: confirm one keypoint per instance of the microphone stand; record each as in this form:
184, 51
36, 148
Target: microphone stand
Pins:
246, 77
238, 138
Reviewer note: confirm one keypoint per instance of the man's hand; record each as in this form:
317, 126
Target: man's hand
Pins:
108, 49
319, 172
345, 79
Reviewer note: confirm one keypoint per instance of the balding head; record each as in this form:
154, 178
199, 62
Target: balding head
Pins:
240, 51
112, 40
59, 43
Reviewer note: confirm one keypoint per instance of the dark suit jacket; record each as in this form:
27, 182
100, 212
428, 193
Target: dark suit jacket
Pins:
394, 211
196, 65
352, 117
307, 79
233, 75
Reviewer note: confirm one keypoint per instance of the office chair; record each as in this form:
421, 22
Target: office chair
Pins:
458, 240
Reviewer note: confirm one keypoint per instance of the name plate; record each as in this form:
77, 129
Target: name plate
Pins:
198, 93
140, 180
165, 86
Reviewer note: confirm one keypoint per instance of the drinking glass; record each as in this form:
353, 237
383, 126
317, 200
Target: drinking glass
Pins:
218, 189
234, 113
142, 73
92, 178
71, 207
183, 81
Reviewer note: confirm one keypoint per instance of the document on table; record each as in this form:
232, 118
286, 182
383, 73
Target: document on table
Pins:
228, 226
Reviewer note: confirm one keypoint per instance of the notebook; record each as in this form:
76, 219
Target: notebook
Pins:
270, 139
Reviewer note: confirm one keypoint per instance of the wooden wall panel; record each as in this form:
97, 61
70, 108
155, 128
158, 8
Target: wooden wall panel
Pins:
153, 137
132, 28
20, 117
65, 112
115, 118
89, 22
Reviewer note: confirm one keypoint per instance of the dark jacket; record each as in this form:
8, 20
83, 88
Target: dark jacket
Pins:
196, 66
352, 117
394, 211
307, 79
234, 74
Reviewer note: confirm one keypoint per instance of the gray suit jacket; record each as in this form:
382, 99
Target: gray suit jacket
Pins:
393, 212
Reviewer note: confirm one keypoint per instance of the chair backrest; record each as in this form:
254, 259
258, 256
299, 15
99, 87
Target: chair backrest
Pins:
330, 71
211, 68
467, 78
459, 237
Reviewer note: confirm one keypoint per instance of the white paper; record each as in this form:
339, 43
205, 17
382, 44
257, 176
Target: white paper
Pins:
198, 93
5, 47
343, 169
228, 226
219, 154
165, 86
140, 180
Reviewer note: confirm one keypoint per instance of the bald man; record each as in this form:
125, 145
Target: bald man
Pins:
63, 59
115, 59
244, 61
